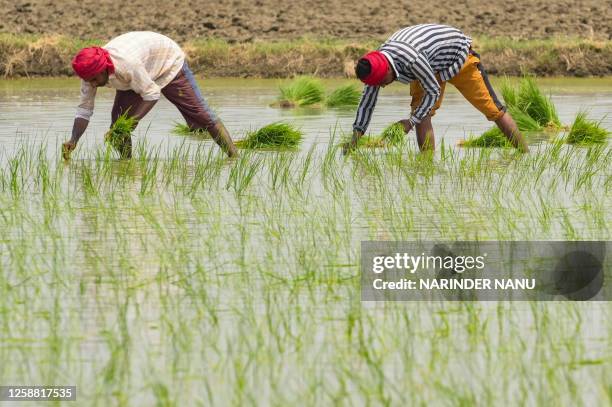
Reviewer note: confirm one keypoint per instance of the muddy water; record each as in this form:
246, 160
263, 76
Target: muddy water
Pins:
43, 109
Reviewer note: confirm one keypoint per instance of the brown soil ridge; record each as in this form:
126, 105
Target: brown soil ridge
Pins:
252, 20
51, 56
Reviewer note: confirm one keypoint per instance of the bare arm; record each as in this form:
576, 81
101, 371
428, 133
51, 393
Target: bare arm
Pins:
78, 128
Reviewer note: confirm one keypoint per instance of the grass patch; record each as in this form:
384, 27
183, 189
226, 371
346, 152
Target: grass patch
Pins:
275, 135
586, 132
348, 95
182, 129
120, 135
303, 91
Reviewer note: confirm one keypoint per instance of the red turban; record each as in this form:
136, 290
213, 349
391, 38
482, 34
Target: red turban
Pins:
91, 61
379, 65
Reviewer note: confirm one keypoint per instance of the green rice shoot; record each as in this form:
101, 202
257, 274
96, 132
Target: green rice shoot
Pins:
182, 129
530, 100
347, 95
393, 134
524, 122
273, 136
303, 91
120, 135
390, 136
493, 137
586, 132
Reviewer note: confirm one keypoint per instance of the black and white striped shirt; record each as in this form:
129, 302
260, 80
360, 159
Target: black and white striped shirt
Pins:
418, 53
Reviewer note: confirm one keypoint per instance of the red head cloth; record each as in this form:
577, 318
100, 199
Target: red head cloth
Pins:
379, 65
91, 61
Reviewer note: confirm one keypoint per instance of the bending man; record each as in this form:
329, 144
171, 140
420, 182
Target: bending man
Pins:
427, 56
142, 66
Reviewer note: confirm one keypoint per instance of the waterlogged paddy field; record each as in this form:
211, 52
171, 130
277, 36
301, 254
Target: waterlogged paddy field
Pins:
183, 278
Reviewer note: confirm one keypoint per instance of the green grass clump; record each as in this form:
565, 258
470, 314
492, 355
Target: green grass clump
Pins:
535, 104
371, 142
347, 95
529, 100
120, 135
393, 134
390, 136
303, 91
523, 121
493, 137
586, 132
181, 129
275, 135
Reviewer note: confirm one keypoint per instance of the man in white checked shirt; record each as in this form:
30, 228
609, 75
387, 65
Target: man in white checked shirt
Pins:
427, 56
142, 66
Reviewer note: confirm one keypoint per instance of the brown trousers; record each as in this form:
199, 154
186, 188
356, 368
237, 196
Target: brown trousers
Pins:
183, 92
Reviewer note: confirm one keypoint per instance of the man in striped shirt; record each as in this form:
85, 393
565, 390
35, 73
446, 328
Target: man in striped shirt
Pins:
427, 56
142, 66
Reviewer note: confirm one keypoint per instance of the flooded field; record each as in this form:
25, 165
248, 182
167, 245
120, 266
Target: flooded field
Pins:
183, 278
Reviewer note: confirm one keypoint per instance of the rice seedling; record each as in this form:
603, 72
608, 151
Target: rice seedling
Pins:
528, 105
303, 91
392, 135
120, 135
182, 129
344, 96
586, 132
493, 137
541, 108
136, 261
273, 136
523, 120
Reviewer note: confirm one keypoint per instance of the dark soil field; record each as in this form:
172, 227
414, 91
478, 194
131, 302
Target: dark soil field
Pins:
248, 20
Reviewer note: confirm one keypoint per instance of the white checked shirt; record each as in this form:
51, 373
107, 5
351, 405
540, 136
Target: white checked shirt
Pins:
144, 62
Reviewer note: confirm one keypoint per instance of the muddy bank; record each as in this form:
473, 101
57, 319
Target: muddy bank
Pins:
251, 20
51, 55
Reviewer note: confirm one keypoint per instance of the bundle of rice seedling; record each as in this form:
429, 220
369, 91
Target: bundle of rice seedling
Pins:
275, 135
523, 121
120, 135
586, 132
303, 91
347, 95
539, 107
371, 142
509, 94
181, 129
493, 137
393, 134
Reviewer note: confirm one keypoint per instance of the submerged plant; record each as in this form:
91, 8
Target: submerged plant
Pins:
303, 91
275, 135
586, 132
347, 95
120, 135
181, 129
493, 137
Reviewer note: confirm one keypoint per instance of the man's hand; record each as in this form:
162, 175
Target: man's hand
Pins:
67, 149
351, 145
406, 124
